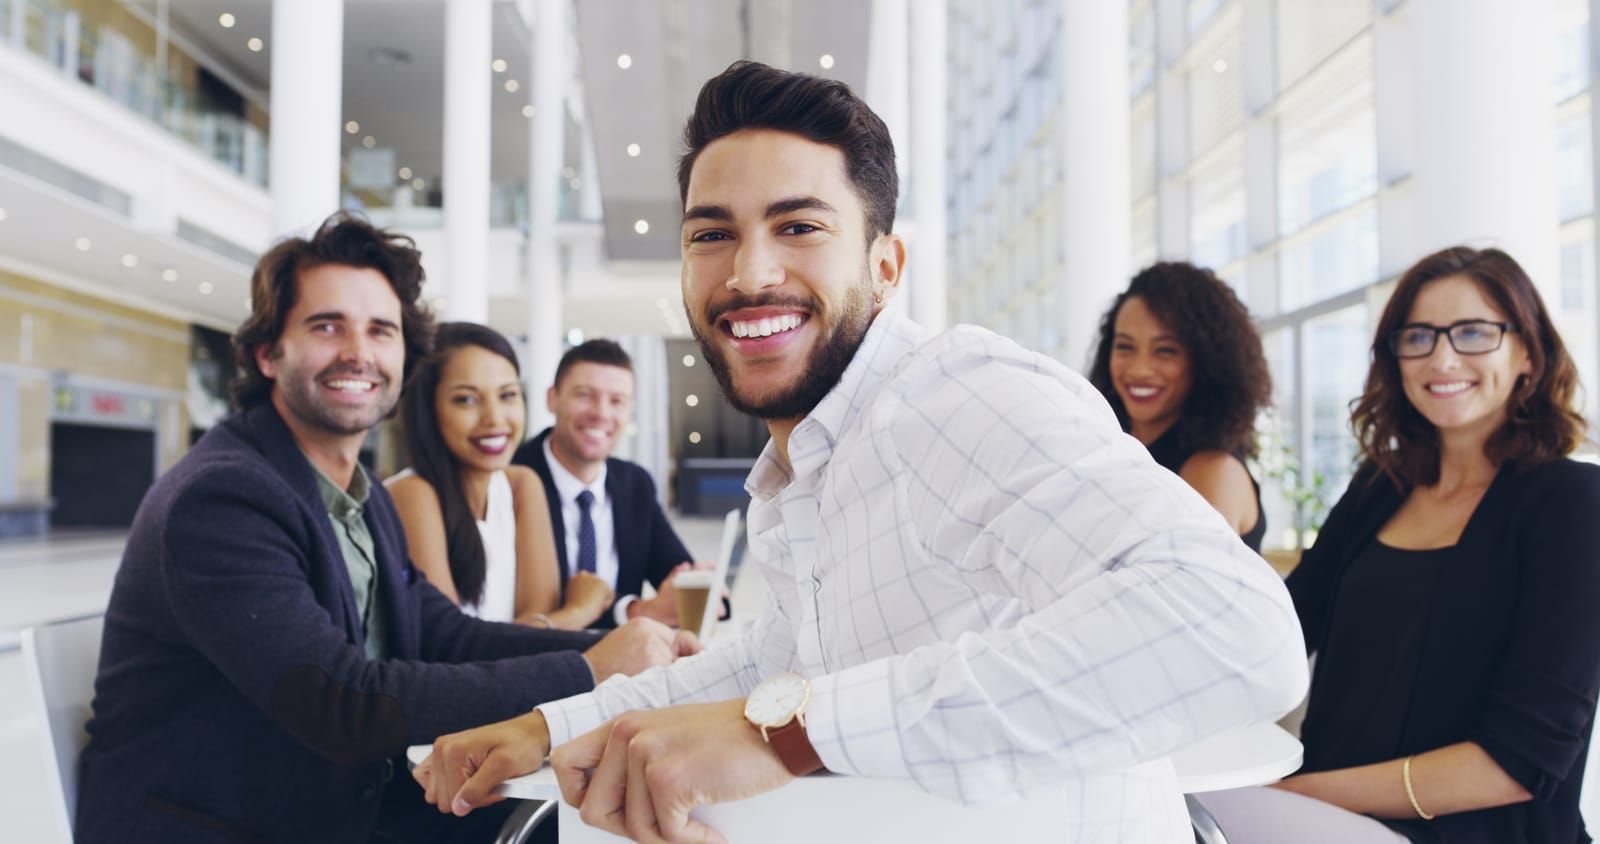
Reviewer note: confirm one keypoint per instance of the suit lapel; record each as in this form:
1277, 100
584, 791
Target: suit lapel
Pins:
624, 530
553, 500
395, 574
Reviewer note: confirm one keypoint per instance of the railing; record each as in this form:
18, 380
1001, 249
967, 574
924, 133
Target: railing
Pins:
105, 59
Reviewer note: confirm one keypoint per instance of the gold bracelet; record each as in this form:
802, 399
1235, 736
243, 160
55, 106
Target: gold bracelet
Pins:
1412, 794
542, 619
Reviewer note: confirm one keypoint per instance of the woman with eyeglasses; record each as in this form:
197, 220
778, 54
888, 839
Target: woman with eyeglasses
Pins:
1180, 363
1450, 599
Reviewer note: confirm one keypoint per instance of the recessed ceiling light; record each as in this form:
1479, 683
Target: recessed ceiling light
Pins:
352, 127
226, 20
527, 111
83, 244
575, 183
512, 85
255, 45
633, 150
206, 289
691, 400
1220, 65
405, 172
169, 275
688, 360
575, 337
694, 436
641, 226
369, 142
624, 61
568, 172
418, 183
130, 260
826, 61
499, 65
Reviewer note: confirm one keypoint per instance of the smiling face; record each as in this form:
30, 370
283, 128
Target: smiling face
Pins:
1150, 370
337, 366
778, 277
1462, 394
591, 404
479, 407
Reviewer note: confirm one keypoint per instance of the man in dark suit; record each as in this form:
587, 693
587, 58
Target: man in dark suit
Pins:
269, 650
607, 521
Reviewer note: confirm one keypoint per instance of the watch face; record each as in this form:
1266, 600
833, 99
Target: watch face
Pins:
777, 700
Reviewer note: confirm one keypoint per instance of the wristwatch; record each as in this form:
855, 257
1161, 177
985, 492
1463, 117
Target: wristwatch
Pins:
777, 707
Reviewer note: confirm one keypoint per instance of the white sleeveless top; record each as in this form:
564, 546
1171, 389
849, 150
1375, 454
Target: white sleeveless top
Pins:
499, 532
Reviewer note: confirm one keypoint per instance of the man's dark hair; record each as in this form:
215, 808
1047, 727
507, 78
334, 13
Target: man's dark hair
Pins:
603, 352
275, 287
751, 95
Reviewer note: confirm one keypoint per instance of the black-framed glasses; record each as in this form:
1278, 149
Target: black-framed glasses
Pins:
1467, 337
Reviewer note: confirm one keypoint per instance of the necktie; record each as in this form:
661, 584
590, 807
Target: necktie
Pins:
586, 551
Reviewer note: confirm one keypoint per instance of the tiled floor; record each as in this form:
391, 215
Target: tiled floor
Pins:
71, 576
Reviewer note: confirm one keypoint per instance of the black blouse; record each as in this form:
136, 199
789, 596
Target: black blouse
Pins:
1493, 640
1171, 456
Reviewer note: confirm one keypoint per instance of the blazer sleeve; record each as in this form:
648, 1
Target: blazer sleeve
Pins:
1314, 580
235, 566
1542, 699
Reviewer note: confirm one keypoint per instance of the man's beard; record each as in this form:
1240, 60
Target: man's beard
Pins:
300, 396
823, 367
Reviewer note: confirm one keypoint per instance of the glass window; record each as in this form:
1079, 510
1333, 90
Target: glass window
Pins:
1217, 229
1337, 351
1308, 33
1574, 165
1141, 49
1572, 47
1216, 96
1200, 13
1275, 461
1575, 316
1142, 158
1328, 159
1342, 258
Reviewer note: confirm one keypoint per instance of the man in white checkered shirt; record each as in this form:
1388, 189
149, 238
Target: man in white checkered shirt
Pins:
978, 583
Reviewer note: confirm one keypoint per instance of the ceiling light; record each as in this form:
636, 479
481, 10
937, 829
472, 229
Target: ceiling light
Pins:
512, 85
83, 244
499, 65
575, 337
624, 61
369, 142
226, 20
418, 183
575, 183
169, 275
641, 226
1220, 65
633, 150
130, 260
527, 111
352, 127
691, 400
826, 61
694, 436
568, 172
255, 45
405, 172
206, 288
688, 360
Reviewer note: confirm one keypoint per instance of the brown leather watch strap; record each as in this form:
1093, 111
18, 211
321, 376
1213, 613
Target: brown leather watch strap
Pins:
794, 748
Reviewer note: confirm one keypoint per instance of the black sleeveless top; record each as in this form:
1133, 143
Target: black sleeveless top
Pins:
1167, 452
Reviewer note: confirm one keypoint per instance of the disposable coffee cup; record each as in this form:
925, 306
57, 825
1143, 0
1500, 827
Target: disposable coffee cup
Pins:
694, 589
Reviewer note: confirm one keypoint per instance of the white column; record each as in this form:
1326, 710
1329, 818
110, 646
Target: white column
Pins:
1483, 129
1094, 137
307, 97
888, 65
468, 87
546, 130
1172, 131
927, 283
1260, 156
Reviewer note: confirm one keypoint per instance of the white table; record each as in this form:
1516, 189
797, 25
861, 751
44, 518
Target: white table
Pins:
860, 809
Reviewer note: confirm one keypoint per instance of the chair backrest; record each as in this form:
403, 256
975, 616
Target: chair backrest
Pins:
60, 660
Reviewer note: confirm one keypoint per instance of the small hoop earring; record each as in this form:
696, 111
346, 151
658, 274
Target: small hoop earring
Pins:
877, 298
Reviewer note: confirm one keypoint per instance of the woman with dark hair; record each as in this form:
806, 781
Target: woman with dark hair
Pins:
478, 527
1181, 364
1450, 596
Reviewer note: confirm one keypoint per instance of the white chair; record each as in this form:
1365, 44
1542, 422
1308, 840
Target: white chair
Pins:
60, 660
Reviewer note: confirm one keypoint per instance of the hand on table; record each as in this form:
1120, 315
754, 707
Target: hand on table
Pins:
640, 774
637, 645
464, 767
590, 592
664, 606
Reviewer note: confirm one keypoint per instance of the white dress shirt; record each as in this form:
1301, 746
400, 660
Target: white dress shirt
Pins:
992, 590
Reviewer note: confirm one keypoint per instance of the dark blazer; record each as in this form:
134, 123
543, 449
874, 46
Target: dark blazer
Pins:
647, 547
1510, 649
234, 700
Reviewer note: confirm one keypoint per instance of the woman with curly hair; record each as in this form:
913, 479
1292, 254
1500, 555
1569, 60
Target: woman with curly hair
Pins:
1449, 598
1181, 364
